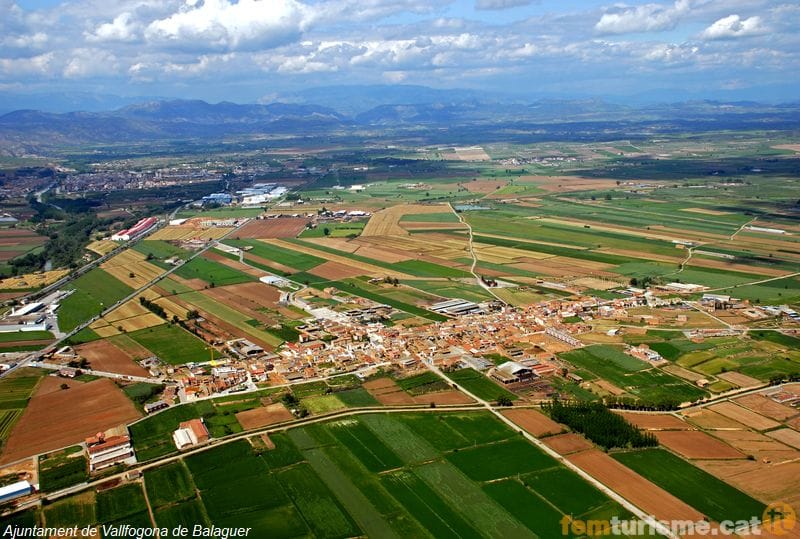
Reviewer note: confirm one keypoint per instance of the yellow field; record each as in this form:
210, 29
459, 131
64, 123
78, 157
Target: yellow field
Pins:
597, 284
412, 246
386, 222
102, 247
707, 212
128, 309
33, 280
367, 268
130, 261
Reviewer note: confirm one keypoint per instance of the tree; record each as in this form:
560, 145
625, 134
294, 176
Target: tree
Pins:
326, 231
504, 400
64, 386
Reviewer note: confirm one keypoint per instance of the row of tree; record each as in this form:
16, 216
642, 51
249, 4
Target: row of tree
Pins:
599, 424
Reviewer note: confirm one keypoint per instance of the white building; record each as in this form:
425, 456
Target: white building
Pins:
104, 452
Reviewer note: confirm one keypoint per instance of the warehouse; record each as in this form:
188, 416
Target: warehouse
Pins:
15, 490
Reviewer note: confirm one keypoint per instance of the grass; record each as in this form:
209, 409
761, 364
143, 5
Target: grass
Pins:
427, 382
336, 230
288, 257
214, 273
93, 292
76, 510
62, 470
357, 398
323, 404
632, 375
316, 502
160, 250
499, 460
168, 484
119, 503
479, 385
25, 336
187, 514
713, 497
173, 345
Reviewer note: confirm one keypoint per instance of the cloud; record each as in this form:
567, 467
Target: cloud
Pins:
225, 25
120, 29
644, 18
734, 26
90, 62
501, 4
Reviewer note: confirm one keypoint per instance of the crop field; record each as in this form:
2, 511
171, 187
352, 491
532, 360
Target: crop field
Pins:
31, 281
132, 268
93, 293
121, 504
479, 385
703, 491
63, 469
82, 408
632, 375
213, 273
335, 230
173, 344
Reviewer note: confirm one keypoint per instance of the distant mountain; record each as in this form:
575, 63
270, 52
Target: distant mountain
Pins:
479, 120
356, 99
66, 101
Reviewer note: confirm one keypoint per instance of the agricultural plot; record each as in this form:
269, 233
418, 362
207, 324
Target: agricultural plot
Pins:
716, 499
62, 469
173, 344
335, 230
93, 293
132, 268
121, 503
633, 375
213, 273
275, 253
479, 385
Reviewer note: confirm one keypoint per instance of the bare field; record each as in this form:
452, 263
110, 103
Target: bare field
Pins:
263, 416
767, 407
58, 417
788, 436
564, 444
741, 380
386, 222
283, 227
534, 422
633, 487
743, 415
696, 445
767, 482
335, 271
655, 421
105, 357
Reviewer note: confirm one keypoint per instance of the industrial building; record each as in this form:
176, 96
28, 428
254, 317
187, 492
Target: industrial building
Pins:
108, 451
456, 307
512, 372
15, 490
190, 433
142, 226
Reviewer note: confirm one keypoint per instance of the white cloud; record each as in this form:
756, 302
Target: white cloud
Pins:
120, 29
734, 26
225, 25
90, 62
37, 65
644, 18
501, 4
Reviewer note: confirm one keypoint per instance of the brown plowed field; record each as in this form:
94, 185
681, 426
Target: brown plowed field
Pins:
696, 445
387, 392
767, 407
749, 441
633, 487
263, 416
284, 227
11, 344
335, 271
743, 415
766, 482
706, 419
655, 421
58, 417
533, 422
787, 436
564, 444
131, 347
105, 357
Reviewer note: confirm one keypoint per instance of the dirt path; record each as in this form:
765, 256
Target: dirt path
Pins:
475, 258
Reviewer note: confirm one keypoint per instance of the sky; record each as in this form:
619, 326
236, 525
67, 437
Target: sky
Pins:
263, 50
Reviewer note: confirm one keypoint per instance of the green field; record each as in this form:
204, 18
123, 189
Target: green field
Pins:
479, 385
63, 469
93, 293
173, 345
214, 273
335, 230
439, 474
288, 257
714, 498
636, 377
15, 391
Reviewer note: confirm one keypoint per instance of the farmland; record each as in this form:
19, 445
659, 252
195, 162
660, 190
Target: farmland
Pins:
173, 344
93, 293
713, 497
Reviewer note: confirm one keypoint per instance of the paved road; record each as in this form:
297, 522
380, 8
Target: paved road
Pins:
114, 375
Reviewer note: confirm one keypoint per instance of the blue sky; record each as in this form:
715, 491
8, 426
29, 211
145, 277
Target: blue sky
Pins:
260, 50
